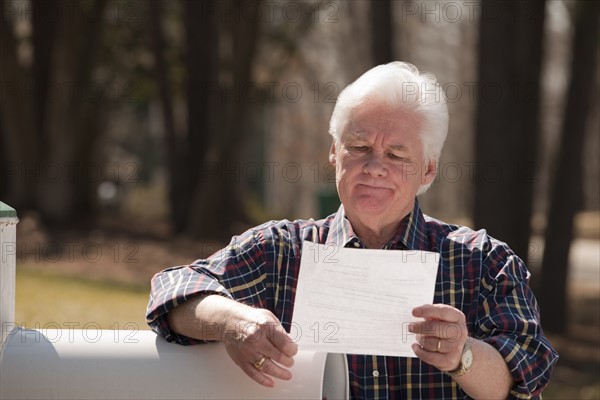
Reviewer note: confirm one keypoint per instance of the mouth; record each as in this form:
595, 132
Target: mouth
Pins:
372, 187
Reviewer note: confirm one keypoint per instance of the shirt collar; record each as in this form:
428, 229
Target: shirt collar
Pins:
410, 235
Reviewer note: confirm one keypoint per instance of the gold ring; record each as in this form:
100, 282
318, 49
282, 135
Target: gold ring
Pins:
258, 364
439, 345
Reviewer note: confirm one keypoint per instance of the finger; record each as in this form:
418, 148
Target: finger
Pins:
280, 346
257, 375
443, 362
449, 331
276, 355
281, 358
432, 343
266, 336
246, 361
441, 312
268, 325
260, 345
427, 327
284, 342
271, 368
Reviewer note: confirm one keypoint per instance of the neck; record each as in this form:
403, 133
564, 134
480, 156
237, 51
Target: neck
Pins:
376, 232
374, 237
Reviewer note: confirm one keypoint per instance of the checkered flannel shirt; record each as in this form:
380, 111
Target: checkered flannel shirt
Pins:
477, 274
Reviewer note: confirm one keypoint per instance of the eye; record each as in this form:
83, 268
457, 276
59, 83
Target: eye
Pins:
359, 148
396, 157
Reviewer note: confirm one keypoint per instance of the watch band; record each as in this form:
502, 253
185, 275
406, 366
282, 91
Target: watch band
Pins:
462, 369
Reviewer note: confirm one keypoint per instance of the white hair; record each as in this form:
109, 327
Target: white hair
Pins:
398, 85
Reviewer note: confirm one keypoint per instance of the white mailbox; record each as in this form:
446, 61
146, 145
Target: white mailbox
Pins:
105, 364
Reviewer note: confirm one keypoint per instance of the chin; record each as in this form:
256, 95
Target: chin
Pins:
370, 208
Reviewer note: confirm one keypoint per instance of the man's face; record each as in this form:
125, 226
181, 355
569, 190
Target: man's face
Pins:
379, 165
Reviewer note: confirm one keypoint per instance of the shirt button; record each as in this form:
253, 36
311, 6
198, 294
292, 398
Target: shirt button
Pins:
375, 373
356, 244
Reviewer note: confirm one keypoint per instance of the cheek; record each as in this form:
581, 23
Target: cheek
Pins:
406, 178
346, 172
346, 165
411, 172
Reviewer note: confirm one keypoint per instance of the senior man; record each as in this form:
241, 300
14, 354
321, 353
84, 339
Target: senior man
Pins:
482, 336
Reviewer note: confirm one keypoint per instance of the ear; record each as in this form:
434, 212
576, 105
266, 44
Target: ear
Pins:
429, 172
332, 153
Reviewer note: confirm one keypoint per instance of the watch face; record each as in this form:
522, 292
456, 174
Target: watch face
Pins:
467, 358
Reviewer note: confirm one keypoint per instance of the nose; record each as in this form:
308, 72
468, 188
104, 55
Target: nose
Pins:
375, 166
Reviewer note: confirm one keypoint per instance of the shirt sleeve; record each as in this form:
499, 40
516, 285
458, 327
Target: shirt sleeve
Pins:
509, 320
228, 267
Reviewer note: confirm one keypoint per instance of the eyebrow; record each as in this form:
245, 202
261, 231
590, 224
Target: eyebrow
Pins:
398, 147
356, 135
360, 136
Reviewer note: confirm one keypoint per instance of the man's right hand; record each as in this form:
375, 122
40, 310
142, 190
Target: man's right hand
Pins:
249, 334
258, 333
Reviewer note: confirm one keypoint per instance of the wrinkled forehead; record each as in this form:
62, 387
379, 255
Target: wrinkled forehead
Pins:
372, 118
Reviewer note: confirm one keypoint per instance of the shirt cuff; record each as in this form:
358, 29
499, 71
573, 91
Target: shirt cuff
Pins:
530, 368
169, 291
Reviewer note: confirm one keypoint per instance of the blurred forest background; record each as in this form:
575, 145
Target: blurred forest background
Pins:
135, 135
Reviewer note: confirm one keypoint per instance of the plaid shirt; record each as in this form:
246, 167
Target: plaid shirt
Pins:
477, 274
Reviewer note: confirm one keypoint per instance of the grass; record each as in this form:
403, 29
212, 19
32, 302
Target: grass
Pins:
46, 300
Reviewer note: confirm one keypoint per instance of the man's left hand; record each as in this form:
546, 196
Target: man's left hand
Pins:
441, 337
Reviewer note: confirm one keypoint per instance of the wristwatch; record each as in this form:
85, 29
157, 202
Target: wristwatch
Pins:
466, 361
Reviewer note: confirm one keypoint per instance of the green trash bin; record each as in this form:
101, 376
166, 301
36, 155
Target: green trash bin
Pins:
329, 202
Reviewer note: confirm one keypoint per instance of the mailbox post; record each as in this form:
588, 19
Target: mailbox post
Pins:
8, 252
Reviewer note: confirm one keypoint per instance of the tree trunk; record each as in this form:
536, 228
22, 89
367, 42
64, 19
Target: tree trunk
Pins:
219, 204
202, 38
65, 198
507, 121
382, 33
176, 168
44, 35
18, 127
90, 123
566, 194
